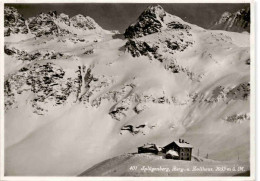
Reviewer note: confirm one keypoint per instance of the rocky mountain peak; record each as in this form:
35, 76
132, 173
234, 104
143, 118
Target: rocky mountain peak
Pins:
238, 21
43, 24
84, 22
154, 19
155, 11
13, 22
150, 21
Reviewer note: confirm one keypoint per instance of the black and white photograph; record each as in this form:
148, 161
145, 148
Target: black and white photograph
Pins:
120, 89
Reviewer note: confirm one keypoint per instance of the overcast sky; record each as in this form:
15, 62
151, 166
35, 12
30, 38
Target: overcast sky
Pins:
118, 16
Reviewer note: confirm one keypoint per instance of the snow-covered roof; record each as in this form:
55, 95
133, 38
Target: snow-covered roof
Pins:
148, 145
172, 153
184, 145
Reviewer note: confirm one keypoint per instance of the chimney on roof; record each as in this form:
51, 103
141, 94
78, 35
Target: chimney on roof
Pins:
179, 140
182, 141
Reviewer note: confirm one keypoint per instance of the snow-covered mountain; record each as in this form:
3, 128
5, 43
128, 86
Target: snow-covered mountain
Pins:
14, 22
75, 97
50, 23
238, 21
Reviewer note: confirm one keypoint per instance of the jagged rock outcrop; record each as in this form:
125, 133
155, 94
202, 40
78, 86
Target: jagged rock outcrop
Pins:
150, 21
137, 48
35, 55
238, 21
43, 24
45, 81
14, 22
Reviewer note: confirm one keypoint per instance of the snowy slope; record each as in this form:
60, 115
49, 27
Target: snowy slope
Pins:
86, 97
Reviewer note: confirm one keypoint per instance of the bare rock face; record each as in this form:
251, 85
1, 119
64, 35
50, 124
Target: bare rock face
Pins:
237, 22
138, 48
45, 81
13, 22
150, 21
43, 24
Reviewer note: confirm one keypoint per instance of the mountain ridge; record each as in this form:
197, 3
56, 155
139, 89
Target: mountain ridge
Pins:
238, 21
50, 23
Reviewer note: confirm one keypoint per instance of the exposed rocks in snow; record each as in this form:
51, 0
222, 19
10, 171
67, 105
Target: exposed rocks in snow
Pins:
175, 68
89, 52
85, 77
172, 45
240, 92
142, 129
140, 107
94, 85
36, 55
46, 82
161, 100
124, 100
118, 112
137, 48
219, 93
13, 22
237, 118
43, 24
176, 25
135, 129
